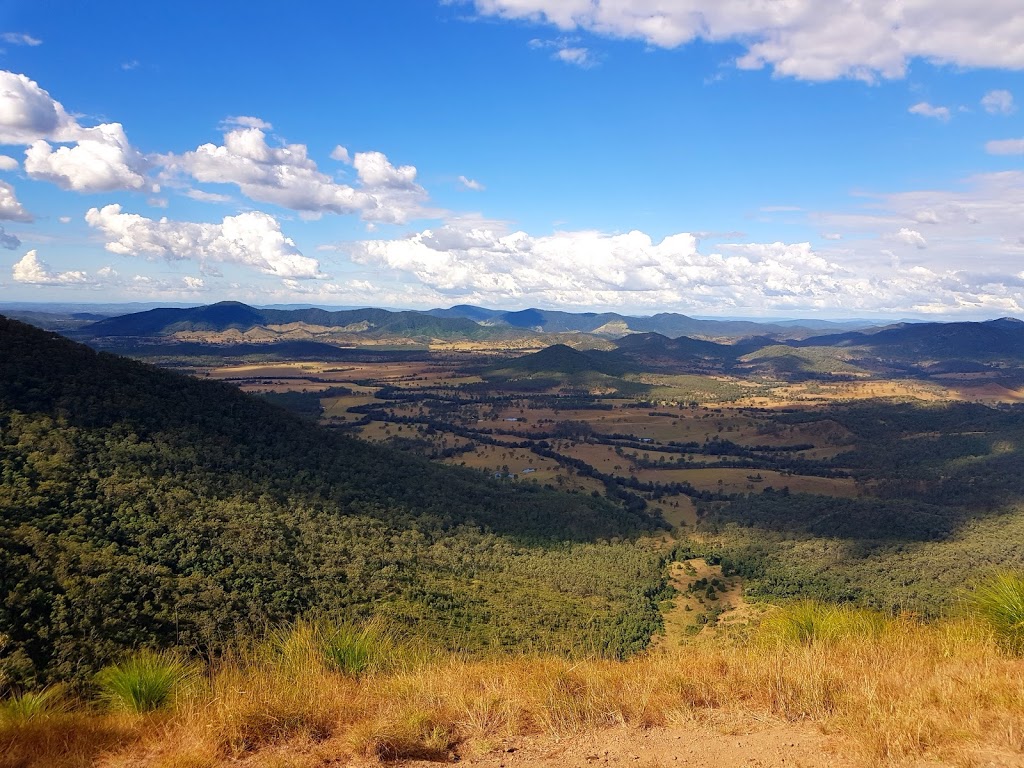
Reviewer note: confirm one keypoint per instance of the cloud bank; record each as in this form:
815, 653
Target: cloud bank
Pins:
806, 39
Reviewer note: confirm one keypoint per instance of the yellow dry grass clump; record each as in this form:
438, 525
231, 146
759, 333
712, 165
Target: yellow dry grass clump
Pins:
893, 691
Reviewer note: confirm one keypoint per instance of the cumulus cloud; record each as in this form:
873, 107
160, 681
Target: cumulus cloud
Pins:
286, 176
8, 241
595, 269
251, 239
912, 237
32, 270
340, 154
581, 268
10, 208
8, 163
1005, 147
100, 158
807, 39
28, 113
998, 103
925, 109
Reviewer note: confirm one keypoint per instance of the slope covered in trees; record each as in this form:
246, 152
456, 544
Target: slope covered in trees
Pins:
143, 508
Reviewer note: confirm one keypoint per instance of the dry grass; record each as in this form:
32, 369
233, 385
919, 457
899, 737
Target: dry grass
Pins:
894, 691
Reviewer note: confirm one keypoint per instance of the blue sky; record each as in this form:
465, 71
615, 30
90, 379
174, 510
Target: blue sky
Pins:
728, 157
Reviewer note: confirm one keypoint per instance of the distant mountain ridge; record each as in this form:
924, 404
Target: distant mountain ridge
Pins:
459, 322
233, 315
999, 338
669, 324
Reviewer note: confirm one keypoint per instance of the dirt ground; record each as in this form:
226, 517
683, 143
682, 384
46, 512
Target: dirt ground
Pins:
692, 745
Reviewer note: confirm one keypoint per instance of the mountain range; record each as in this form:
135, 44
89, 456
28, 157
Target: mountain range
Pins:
464, 322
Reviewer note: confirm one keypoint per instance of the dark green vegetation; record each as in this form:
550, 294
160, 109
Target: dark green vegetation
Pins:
942, 504
144, 508
561, 366
140, 508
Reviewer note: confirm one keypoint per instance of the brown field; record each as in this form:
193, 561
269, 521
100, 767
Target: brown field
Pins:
671, 423
679, 511
729, 480
336, 408
707, 420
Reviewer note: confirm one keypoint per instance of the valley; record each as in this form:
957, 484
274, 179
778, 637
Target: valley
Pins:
626, 501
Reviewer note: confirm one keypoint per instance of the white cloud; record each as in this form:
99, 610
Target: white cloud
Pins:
28, 113
998, 103
30, 269
207, 197
286, 176
340, 154
245, 121
64, 219
472, 184
567, 50
10, 208
8, 241
8, 163
251, 239
193, 283
807, 39
128, 66
593, 269
925, 109
375, 170
102, 160
912, 237
1005, 147
20, 38
579, 57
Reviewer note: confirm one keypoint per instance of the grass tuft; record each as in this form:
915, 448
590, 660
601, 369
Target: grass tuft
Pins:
999, 602
33, 705
809, 622
145, 681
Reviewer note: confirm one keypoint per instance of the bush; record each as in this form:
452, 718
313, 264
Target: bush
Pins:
145, 681
999, 602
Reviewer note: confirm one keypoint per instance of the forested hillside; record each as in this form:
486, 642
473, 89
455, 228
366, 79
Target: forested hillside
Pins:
141, 507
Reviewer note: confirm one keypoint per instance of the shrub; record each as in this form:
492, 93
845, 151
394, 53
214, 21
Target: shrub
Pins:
999, 602
145, 681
